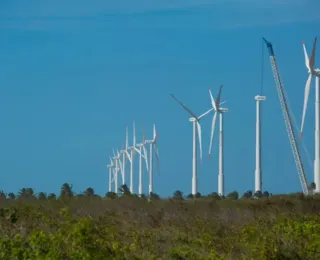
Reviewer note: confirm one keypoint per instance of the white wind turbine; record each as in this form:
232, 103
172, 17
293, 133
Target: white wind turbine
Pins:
258, 175
111, 171
218, 110
142, 149
130, 156
313, 72
118, 167
196, 125
153, 144
124, 152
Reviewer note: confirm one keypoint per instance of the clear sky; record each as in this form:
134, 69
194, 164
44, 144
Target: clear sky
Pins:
74, 74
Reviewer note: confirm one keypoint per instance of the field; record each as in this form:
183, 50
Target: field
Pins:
92, 227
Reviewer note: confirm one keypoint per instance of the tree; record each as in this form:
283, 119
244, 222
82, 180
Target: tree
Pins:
11, 196
189, 196
234, 195
178, 195
266, 194
26, 193
247, 195
312, 187
154, 196
197, 195
42, 196
258, 194
66, 191
89, 192
215, 196
52, 196
111, 195
124, 190
3, 196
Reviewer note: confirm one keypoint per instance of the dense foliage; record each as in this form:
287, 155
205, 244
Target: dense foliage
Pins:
87, 226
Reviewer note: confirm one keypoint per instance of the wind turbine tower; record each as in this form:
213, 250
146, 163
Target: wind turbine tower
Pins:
153, 144
123, 153
313, 72
216, 106
117, 161
142, 149
111, 167
132, 150
195, 126
258, 179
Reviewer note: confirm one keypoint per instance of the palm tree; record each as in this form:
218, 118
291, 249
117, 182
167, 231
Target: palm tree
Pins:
66, 191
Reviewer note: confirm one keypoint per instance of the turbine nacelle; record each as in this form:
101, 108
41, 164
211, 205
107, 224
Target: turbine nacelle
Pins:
260, 98
223, 110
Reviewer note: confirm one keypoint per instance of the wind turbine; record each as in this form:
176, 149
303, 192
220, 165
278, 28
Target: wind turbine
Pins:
118, 167
111, 170
132, 150
313, 72
258, 179
218, 110
153, 144
196, 125
141, 149
124, 160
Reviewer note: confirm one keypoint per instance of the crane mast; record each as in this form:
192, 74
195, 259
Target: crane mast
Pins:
287, 119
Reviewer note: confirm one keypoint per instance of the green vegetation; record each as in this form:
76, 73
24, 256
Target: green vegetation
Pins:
87, 226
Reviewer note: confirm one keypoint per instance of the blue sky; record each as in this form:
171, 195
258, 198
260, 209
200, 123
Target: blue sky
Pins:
74, 74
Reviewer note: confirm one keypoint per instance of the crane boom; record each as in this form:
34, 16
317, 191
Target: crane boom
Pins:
287, 119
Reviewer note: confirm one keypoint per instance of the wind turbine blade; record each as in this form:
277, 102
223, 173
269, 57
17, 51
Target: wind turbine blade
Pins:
218, 98
223, 102
134, 134
111, 162
188, 110
154, 133
145, 156
213, 102
128, 155
114, 154
306, 58
200, 142
205, 113
137, 150
305, 103
212, 131
313, 57
114, 175
127, 138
